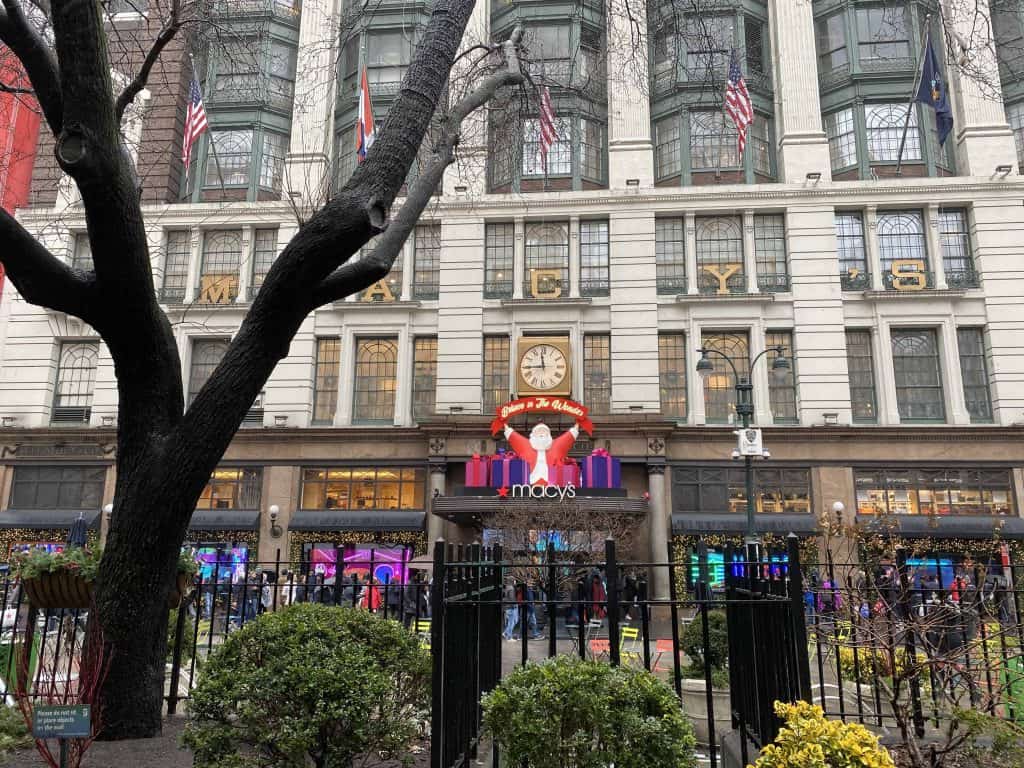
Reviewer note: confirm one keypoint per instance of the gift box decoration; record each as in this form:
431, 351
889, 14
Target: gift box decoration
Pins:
601, 470
508, 469
566, 472
477, 469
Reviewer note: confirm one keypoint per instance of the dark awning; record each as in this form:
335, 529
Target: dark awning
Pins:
354, 520
945, 527
48, 518
225, 520
692, 523
471, 508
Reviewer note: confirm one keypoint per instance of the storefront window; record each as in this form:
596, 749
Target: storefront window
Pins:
232, 489
387, 563
716, 490
934, 492
358, 488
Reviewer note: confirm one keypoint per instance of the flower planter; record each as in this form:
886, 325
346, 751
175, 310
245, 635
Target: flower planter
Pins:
59, 589
179, 590
696, 708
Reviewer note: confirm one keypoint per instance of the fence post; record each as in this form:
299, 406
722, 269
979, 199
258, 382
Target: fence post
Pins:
911, 648
677, 672
552, 596
796, 602
437, 652
612, 571
179, 632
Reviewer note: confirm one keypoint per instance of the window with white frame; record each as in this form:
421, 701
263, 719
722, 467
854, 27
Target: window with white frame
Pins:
720, 255
782, 384
206, 356
974, 373
76, 379
177, 252
547, 260
426, 261
713, 142
229, 158
559, 158
670, 254
424, 376
770, 252
325, 380
860, 366
499, 254
667, 160
594, 269
852, 251
955, 241
388, 53
842, 138
376, 380
81, 256
263, 254
915, 360
902, 248
218, 276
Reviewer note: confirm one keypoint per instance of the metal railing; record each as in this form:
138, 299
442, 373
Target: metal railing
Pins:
855, 280
709, 285
426, 291
595, 287
289, 10
498, 289
908, 281
672, 285
773, 283
962, 278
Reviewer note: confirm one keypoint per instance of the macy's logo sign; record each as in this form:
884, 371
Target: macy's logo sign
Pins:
544, 492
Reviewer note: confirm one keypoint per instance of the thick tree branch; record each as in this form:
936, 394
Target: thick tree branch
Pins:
40, 277
35, 55
142, 76
351, 278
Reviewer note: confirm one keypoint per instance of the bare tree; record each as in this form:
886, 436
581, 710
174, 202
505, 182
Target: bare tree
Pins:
165, 453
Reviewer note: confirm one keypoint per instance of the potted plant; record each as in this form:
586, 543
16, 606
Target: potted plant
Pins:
715, 649
58, 579
187, 570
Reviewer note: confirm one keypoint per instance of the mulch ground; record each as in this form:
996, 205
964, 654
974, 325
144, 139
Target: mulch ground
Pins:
163, 752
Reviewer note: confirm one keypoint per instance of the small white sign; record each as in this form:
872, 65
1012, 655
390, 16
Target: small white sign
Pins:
749, 441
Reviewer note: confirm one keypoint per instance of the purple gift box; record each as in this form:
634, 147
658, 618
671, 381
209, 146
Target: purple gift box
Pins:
601, 470
477, 471
508, 469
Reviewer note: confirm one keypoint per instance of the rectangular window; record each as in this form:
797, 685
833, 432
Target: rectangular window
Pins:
1015, 117
759, 146
974, 372
344, 155
667, 160
883, 37
852, 251
206, 356
263, 255
754, 34
709, 38
363, 488
672, 374
903, 250
720, 385
496, 372
218, 277
831, 40
915, 360
594, 271
547, 261
229, 159
424, 376
325, 383
76, 378
591, 150
946, 491
713, 142
57, 487
842, 139
884, 124
275, 147
426, 277
503, 149
720, 255
231, 488
956, 249
770, 252
670, 255
177, 253
559, 161
717, 490
782, 385
499, 254
597, 373
81, 258
387, 57
860, 365
281, 85
375, 380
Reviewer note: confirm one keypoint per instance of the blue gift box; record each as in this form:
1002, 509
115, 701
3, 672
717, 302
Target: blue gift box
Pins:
508, 469
601, 470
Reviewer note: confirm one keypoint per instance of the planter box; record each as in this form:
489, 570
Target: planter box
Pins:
695, 706
59, 589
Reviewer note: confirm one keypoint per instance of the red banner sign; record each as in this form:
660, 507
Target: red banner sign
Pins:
542, 404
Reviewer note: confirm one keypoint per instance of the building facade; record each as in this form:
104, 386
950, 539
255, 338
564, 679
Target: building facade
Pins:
894, 294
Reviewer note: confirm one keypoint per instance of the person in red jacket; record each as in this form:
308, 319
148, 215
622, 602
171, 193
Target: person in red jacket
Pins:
540, 451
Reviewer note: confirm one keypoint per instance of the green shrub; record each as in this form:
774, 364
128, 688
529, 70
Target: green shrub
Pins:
310, 683
808, 740
570, 713
718, 641
13, 732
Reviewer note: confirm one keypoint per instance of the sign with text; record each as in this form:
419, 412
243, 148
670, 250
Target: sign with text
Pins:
71, 721
541, 404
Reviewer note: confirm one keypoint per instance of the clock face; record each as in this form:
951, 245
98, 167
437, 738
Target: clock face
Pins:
543, 366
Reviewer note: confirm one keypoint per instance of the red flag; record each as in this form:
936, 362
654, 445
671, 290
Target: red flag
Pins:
548, 134
737, 101
195, 121
365, 127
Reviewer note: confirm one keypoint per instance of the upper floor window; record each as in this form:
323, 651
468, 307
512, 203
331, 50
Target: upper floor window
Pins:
956, 249
720, 255
860, 365
1015, 117
902, 248
549, 45
76, 379
218, 276
831, 40
597, 372
720, 386
388, 54
782, 384
237, 158
559, 153
325, 379
376, 378
852, 251
885, 124
499, 255
232, 488
263, 255
81, 257
842, 138
667, 160
714, 143
770, 252
117, 7
672, 374
424, 376
592, 135
206, 356
709, 38
390, 288
57, 487
670, 255
915, 361
547, 261
495, 372
974, 373
594, 268
363, 488
426, 261
178, 252
883, 34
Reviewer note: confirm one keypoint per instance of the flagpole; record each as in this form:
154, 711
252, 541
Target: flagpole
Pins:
913, 93
209, 136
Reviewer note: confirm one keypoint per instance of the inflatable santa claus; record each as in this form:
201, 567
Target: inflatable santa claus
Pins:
540, 451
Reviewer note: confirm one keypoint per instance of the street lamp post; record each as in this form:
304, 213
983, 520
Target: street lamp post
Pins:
745, 410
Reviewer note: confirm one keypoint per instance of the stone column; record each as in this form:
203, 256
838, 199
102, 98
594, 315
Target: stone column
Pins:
749, 257
659, 524
629, 111
803, 147
436, 526
871, 246
692, 275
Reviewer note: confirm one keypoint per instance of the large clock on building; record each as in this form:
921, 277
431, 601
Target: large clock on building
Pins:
544, 366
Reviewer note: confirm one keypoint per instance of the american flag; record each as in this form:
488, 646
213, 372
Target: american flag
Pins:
548, 134
737, 101
195, 120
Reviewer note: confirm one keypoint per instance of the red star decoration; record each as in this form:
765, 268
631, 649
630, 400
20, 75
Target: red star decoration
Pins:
503, 492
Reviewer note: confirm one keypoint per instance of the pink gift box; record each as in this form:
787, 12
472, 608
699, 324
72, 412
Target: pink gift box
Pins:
477, 469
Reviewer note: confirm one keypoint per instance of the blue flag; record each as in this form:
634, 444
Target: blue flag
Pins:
932, 91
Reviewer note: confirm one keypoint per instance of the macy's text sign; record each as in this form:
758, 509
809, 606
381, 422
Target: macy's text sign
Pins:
544, 492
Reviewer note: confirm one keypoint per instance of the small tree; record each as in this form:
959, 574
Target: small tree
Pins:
309, 683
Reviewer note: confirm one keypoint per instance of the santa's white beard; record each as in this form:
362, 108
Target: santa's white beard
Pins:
540, 443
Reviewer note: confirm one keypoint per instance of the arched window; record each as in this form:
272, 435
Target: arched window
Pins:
375, 380
720, 385
720, 255
218, 279
206, 356
76, 376
547, 252
885, 124
901, 238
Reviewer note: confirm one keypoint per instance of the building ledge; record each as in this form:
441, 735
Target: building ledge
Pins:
567, 301
410, 304
691, 298
927, 293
